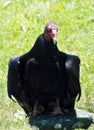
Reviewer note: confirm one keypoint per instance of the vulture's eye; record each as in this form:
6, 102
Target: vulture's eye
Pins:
49, 30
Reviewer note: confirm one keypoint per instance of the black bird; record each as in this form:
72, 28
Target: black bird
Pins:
45, 80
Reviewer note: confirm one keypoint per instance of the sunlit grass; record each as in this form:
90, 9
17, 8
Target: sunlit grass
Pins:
22, 21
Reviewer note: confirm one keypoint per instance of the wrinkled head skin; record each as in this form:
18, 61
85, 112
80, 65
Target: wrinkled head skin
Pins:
50, 31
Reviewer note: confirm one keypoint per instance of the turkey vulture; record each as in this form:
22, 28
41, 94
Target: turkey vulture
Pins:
45, 80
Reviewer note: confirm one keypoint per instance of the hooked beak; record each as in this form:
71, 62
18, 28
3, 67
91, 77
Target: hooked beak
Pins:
53, 35
54, 40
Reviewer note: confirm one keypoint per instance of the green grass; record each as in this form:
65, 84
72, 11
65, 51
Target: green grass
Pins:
21, 22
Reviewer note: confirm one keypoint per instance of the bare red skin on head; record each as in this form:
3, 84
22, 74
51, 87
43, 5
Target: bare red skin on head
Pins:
50, 31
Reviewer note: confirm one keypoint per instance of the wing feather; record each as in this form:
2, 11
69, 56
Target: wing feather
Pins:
73, 70
13, 78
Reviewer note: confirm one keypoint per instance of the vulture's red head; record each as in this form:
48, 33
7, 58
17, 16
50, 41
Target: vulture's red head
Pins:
50, 31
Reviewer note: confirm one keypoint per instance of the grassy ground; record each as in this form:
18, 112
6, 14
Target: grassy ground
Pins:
21, 22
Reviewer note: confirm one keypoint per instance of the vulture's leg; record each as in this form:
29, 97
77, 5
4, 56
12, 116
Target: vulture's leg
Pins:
57, 109
38, 109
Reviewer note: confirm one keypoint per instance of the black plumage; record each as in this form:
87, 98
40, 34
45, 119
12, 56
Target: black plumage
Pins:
44, 80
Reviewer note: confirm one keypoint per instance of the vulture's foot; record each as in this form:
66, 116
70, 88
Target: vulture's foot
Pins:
57, 111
